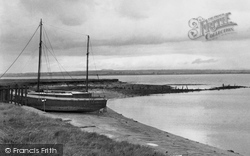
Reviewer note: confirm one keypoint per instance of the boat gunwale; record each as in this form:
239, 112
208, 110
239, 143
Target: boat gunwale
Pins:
65, 98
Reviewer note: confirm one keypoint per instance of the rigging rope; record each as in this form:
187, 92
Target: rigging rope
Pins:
53, 54
60, 66
91, 51
47, 60
19, 54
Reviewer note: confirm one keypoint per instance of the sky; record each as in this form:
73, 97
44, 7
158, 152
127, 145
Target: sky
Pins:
124, 34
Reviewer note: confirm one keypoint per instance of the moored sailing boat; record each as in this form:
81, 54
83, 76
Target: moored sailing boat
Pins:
66, 101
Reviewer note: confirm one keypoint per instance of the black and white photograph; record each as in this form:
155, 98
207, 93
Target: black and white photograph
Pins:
124, 77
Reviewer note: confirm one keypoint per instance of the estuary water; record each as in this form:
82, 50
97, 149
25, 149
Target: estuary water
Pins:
217, 118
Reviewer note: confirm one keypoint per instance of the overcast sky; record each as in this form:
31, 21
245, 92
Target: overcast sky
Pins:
125, 34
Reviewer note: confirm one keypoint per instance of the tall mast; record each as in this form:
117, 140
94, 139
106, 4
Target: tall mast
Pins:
87, 71
40, 56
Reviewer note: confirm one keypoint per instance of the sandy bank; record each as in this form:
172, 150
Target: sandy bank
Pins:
119, 128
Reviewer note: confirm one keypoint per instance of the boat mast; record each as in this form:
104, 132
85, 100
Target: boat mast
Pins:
87, 71
40, 56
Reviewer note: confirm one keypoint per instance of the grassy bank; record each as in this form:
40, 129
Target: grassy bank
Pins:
18, 126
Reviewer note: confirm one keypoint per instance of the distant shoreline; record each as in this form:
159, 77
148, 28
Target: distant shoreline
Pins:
131, 72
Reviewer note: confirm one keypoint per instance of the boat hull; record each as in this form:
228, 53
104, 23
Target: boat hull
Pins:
66, 104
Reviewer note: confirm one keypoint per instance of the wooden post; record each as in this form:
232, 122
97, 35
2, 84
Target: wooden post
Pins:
26, 93
16, 94
8, 94
22, 102
11, 95
5, 95
19, 96
1, 94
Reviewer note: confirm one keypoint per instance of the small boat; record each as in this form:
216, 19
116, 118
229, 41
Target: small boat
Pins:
64, 101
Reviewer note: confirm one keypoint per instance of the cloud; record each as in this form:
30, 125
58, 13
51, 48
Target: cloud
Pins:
70, 13
70, 21
134, 9
200, 61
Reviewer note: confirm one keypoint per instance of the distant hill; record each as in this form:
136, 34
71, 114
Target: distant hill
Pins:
133, 72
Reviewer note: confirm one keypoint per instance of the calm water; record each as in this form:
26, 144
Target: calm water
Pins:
218, 118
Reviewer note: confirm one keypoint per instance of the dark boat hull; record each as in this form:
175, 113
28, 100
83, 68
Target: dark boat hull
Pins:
66, 104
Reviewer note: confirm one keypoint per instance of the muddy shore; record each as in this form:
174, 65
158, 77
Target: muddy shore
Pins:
120, 128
